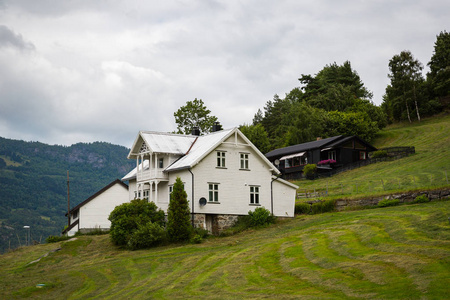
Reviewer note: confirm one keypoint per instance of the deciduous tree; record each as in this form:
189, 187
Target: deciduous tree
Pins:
194, 114
257, 135
406, 79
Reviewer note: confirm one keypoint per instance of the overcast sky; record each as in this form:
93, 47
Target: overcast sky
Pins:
84, 71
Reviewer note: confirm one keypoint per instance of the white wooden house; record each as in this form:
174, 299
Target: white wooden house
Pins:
223, 173
93, 213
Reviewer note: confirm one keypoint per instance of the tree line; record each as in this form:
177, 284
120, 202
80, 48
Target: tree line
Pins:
335, 101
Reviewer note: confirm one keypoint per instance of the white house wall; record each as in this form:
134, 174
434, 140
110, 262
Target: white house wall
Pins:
283, 195
234, 184
131, 189
95, 213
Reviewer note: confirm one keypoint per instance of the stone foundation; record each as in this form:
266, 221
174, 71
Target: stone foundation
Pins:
215, 224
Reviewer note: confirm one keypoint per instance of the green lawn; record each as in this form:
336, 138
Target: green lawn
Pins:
386, 253
427, 169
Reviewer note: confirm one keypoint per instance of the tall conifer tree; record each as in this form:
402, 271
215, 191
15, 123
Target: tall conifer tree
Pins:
178, 215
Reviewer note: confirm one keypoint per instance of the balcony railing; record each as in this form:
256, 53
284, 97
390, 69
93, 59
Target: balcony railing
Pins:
151, 174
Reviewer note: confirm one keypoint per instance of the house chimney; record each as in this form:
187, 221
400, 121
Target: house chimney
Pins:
318, 138
195, 131
216, 127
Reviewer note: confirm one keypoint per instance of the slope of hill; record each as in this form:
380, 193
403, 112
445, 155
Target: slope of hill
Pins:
390, 253
428, 168
33, 184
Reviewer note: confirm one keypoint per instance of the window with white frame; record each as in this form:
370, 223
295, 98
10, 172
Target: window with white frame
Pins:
213, 189
254, 194
244, 161
221, 159
332, 155
362, 155
161, 163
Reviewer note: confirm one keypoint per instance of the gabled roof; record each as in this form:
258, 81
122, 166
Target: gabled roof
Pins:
302, 147
161, 142
328, 143
117, 181
199, 147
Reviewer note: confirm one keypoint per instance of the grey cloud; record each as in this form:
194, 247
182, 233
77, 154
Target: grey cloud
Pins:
10, 39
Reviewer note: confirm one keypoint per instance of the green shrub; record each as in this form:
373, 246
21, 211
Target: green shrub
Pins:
316, 208
128, 217
196, 239
387, 202
302, 208
328, 205
323, 206
54, 238
146, 235
421, 199
309, 171
241, 224
379, 154
260, 217
203, 233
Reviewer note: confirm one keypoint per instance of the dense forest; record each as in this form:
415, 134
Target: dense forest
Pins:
335, 101
33, 184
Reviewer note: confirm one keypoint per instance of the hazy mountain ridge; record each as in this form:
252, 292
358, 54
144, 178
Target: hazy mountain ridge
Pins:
33, 183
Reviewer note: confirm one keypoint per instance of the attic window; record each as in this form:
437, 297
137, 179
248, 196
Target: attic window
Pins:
144, 148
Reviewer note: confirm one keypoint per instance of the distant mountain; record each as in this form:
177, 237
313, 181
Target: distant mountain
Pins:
33, 184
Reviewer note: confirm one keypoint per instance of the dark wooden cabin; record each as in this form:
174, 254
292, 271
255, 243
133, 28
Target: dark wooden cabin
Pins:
326, 153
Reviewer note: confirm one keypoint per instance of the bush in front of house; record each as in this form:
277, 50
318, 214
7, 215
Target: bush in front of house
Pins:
388, 202
309, 171
302, 208
421, 199
260, 217
137, 215
146, 235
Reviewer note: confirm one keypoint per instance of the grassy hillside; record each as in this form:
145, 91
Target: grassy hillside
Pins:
428, 168
386, 253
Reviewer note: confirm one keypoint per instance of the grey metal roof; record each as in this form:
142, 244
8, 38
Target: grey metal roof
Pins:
302, 147
200, 148
159, 142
